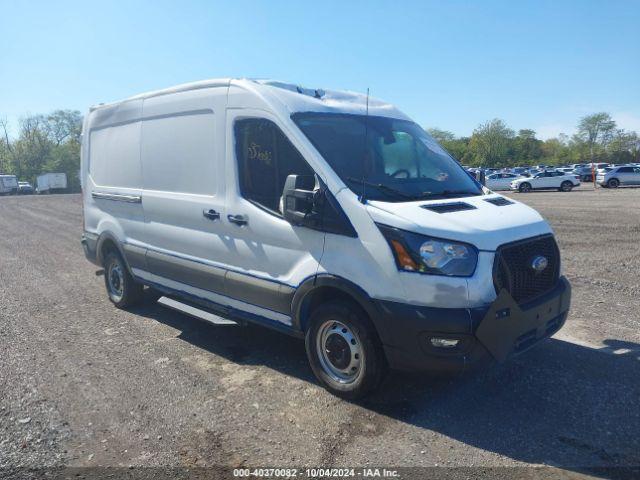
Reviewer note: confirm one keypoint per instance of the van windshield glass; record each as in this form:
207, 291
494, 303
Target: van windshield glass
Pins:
398, 162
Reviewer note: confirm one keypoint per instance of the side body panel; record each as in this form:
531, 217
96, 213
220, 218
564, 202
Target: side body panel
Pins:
182, 150
112, 174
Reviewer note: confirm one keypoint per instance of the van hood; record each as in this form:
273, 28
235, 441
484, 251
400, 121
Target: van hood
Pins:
472, 220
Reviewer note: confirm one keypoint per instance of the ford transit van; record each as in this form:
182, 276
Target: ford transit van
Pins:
326, 215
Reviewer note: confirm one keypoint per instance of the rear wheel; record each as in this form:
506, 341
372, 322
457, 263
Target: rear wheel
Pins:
613, 183
122, 289
344, 351
525, 187
566, 186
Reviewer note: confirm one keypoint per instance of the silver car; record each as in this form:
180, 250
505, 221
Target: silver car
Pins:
625, 175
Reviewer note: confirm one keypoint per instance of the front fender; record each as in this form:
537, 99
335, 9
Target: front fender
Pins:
304, 293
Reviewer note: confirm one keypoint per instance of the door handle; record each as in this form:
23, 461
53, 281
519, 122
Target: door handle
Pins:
238, 219
211, 214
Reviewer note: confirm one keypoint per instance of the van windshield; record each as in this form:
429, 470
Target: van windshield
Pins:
390, 159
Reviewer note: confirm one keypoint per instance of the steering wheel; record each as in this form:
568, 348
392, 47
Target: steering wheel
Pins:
402, 170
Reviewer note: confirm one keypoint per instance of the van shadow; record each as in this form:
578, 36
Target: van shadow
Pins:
559, 404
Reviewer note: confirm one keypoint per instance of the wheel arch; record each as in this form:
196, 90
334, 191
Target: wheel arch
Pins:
108, 242
324, 287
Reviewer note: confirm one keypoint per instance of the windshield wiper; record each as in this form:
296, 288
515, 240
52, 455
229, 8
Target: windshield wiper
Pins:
382, 187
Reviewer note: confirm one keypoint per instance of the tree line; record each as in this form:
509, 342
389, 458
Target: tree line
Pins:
43, 144
494, 144
51, 143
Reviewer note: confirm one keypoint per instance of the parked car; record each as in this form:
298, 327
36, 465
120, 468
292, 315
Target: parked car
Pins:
584, 173
617, 176
550, 179
8, 184
25, 188
500, 181
248, 201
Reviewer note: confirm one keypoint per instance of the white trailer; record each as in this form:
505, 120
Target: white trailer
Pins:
52, 182
8, 184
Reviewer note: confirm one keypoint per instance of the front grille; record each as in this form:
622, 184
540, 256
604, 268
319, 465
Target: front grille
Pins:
513, 269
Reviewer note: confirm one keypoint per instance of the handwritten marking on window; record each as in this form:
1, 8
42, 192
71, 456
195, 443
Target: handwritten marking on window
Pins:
256, 152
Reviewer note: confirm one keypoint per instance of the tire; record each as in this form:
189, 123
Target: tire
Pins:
334, 328
566, 186
122, 289
524, 187
613, 183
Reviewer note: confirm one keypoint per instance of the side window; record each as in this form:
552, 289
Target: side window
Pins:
625, 170
265, 158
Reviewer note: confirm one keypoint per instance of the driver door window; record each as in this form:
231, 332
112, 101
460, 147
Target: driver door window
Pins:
265, 158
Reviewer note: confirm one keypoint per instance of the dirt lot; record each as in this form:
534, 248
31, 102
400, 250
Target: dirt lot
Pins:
85, 384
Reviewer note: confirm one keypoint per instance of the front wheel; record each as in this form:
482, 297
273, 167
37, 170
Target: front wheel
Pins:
613, 183
524, 187
566, 186
122, 289
344, 351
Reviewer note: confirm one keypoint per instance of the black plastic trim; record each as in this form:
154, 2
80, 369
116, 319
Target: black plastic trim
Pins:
448, 207
299, 313
89, 243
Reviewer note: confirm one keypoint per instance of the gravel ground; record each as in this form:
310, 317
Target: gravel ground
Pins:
83, 384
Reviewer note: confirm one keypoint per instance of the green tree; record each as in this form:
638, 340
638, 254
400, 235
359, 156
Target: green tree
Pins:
45, 143
64, 125
596, 131
526, 148
490, 143
623, 147
457, 147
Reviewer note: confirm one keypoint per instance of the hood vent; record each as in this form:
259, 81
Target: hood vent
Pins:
448, 207
499, 201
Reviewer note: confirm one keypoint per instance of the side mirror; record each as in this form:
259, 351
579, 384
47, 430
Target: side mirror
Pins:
297, 200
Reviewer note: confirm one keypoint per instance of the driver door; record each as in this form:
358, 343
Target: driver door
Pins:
268, 257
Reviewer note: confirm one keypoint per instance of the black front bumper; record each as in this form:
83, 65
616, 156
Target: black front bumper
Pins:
485, 335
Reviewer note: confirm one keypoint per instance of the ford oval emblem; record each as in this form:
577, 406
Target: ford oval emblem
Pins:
539, 263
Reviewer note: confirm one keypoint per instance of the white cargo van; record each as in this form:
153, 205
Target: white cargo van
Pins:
322, 214
51, 183
8, 185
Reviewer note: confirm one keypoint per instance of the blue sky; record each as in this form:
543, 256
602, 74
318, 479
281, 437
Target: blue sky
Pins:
451, 64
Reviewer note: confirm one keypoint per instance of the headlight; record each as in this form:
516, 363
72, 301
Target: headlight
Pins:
418, 253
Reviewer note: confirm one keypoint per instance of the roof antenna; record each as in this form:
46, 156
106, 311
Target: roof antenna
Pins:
363, 197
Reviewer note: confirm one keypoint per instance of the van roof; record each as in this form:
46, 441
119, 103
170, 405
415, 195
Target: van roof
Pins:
292, 96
